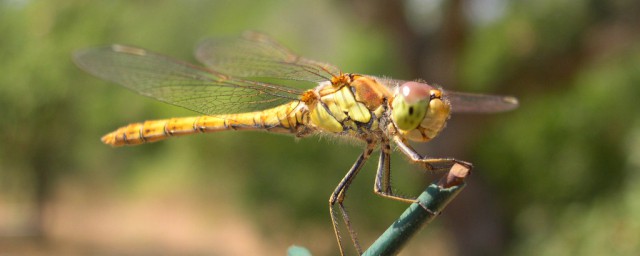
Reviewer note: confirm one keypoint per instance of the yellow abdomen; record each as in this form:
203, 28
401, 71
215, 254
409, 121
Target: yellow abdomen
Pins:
287, 118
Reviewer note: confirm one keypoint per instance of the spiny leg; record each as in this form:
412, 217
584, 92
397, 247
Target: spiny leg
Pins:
339, 194
432, 164
382, 185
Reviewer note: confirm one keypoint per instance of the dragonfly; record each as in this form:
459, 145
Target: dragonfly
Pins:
240, 87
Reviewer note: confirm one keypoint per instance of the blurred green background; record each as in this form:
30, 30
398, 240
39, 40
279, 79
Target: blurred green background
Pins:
558, 176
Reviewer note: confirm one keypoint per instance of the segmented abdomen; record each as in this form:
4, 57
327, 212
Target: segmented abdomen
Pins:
287, 118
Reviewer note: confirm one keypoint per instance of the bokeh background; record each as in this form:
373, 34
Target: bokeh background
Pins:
558, 176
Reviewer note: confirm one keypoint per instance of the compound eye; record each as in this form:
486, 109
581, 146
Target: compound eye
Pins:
414, 91
410, 104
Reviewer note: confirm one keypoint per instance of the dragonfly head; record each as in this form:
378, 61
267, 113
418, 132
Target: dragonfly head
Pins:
419, 111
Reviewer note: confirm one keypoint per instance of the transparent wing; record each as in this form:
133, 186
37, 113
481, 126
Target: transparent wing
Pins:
180, 83
256, 55
462, 102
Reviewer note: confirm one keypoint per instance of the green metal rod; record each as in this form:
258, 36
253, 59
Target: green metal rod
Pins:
427, 206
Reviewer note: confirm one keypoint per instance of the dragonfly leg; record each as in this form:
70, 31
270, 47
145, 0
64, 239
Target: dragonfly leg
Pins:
432, 164
382, 185
338, 196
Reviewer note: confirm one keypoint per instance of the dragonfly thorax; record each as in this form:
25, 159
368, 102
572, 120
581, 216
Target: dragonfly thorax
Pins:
355, 108
418, 111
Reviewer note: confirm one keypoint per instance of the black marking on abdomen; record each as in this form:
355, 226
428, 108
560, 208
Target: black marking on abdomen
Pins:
141, 133
165, 129
200, 128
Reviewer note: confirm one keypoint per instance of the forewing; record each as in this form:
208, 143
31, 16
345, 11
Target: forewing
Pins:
256, 55
462, 102
180, 83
